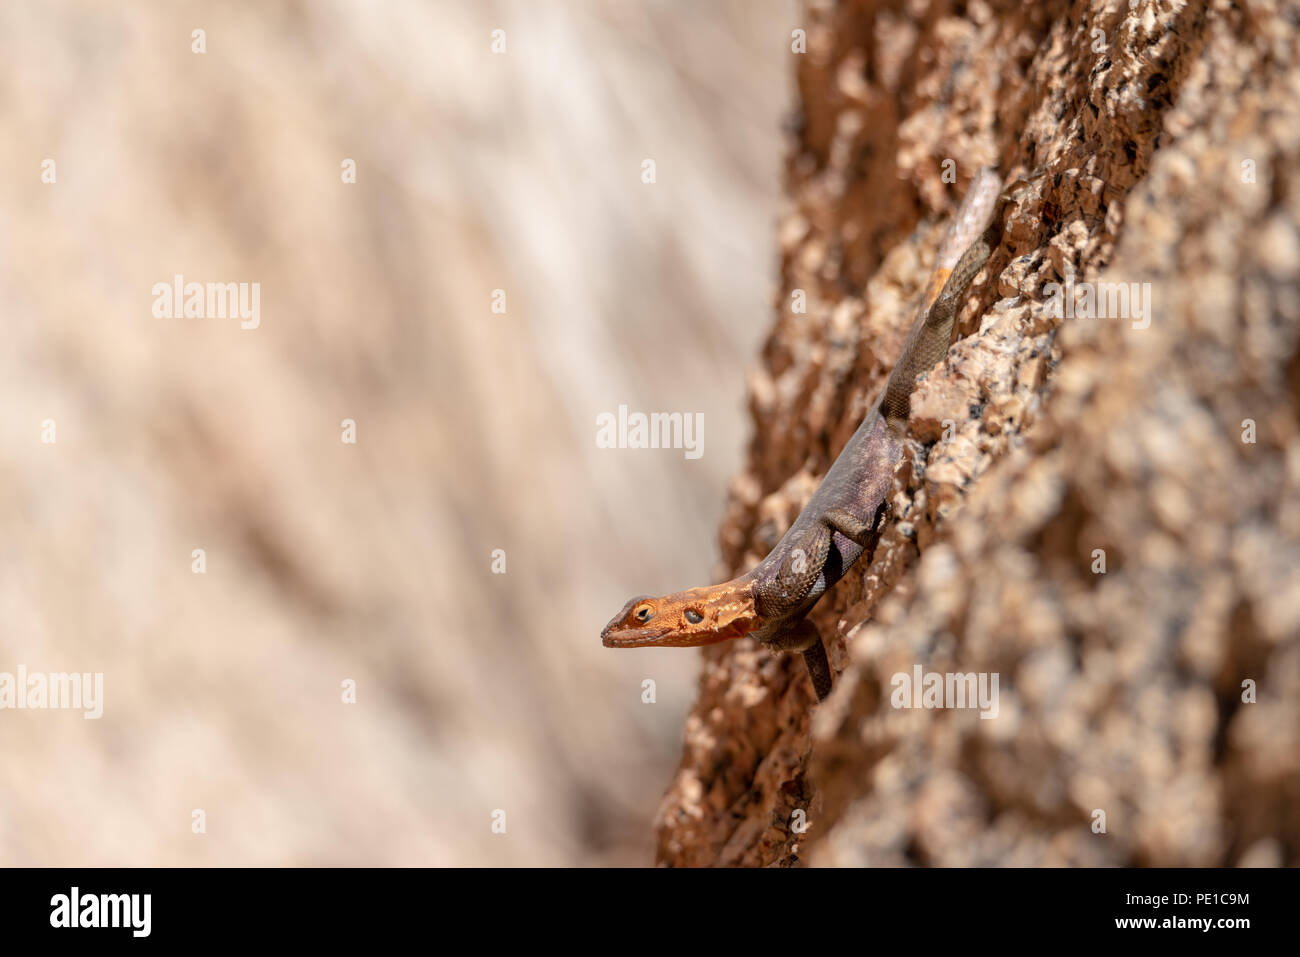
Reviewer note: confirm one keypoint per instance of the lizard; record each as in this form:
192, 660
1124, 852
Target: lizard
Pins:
846, 516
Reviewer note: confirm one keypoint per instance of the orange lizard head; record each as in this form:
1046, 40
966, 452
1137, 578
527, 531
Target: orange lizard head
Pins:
698, 616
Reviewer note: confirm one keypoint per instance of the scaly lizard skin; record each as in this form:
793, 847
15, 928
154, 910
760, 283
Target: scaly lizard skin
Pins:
844, 519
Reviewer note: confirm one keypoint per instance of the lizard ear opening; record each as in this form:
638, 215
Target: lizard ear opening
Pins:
693, 616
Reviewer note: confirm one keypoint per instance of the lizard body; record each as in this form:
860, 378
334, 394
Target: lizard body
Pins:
846, 515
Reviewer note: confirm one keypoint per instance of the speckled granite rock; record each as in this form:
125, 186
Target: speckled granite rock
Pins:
1168, 136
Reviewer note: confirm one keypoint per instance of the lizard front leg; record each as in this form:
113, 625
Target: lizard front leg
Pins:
865, 534
804, 637
797, 574
795, 577
784, 590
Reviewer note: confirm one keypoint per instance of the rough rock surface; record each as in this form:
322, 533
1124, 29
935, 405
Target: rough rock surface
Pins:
1167, 135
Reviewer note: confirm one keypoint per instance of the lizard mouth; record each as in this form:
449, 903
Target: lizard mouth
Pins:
615, 637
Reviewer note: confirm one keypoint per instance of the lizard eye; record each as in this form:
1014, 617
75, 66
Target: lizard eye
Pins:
644, 613
693, 616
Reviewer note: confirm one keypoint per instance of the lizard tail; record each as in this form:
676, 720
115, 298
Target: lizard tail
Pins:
963, 254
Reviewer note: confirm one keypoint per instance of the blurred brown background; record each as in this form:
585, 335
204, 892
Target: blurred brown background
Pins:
328, 561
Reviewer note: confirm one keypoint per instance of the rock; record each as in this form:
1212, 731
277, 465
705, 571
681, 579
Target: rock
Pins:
1112, 524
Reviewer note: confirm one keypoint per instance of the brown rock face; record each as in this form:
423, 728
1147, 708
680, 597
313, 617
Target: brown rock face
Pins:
1101, 507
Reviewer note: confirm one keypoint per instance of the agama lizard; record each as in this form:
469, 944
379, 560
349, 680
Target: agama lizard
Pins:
845, 517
